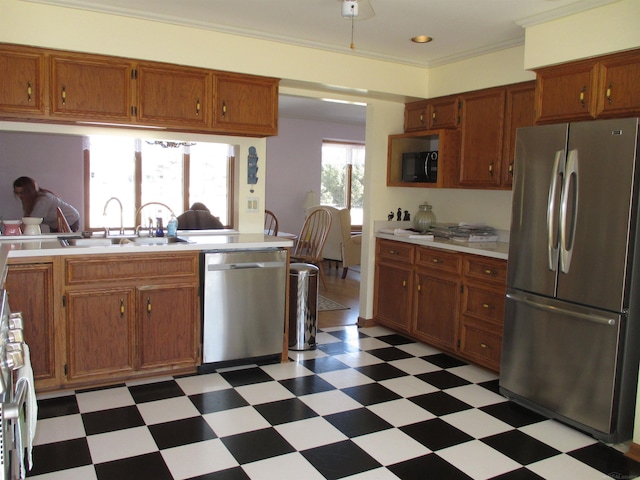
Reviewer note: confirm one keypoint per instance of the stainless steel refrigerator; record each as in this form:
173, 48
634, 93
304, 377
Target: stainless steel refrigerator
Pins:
571, 340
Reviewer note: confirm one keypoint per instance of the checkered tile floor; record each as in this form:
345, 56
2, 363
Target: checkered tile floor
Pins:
368, 404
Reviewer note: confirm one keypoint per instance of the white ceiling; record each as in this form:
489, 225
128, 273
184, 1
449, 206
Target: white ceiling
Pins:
460, 28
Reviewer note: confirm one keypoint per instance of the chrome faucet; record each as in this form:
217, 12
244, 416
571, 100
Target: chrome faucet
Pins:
104, 214
152, 203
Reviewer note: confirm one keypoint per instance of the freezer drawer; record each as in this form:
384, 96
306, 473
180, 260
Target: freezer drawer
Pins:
243, 305
562, 360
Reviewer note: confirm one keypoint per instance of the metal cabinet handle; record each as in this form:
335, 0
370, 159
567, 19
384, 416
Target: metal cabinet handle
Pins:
224, 109
28, 91
419, 287
488, 271
421, 117
436, 260
484, 345
148, 306
582, 92
197, 106
609, 99
64, 95
121, 307
404, 283
487, 306
491, 169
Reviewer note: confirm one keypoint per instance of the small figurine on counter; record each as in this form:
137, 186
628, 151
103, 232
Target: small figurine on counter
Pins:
407, 216
390, 216
399, 214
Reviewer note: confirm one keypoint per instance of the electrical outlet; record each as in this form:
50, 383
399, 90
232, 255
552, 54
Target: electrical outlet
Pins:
252, 204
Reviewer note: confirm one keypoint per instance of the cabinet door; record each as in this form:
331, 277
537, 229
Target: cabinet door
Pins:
100, 337
566, 92
482, 129
174, 95
416, 116
246, 105
519, 113
167, 326
30, 290
392, 296
619, 92
92, 88
22, 74
436, 307
444, 112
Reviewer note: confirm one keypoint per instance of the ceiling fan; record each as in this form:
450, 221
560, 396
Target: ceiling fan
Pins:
356, 10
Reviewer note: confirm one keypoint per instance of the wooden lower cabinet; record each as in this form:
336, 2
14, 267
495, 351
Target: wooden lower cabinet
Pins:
453, 301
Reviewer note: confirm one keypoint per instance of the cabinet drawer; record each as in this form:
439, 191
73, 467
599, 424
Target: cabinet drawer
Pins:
395, 251
436, 259
156, 269
483, 304
481, 345
485, 269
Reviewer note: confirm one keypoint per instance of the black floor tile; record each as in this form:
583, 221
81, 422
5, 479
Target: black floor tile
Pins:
339, 460
381, 371
360, 421
493, 385
443, 379
443, 360
440, 403
436, 434
607, 460
520, 447
218, 400
371, 393
155, 391
395, 339
111, 420
389, 354
257, 445
337, 348
519, 474
427, 467
284, 411
57, 407
306, 385
347, 334
150, 465
52, 457
323, 364
246, 376
513, 414
181, 432
236, 473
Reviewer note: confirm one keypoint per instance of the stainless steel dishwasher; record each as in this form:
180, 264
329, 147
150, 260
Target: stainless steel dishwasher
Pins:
243, 306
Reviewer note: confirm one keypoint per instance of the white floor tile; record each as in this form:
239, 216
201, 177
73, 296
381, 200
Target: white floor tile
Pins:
562, 467
376, 474
377, 331
104, 399
414, 366
148, 381
401, 412
167, 410
199, 458
202, 383
324, 338
390, 446
237, 420
474, 374
130, 442
418, 349
369, 343
292, 466
310, 433
408, 386
475, 395
58, 429
264, 392
345, 378
559, 436
298, 356
358, 359
333, 401
81, 473
286, 370
476, 423
478, 460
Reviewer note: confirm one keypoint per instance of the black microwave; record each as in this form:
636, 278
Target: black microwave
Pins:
421, 167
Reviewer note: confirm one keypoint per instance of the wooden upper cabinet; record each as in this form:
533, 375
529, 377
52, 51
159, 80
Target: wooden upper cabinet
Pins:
92, 88
416, 116
519, 112
482, 130
172, 95
619, 91
246, 104
441, 112
22, 81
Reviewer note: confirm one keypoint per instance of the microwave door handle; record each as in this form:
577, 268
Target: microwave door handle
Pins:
552, 223
568, 232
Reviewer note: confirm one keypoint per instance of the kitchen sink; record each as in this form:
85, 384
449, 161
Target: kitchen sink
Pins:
119, 240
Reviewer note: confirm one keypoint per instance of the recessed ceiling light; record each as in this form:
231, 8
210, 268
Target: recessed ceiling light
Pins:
421, 39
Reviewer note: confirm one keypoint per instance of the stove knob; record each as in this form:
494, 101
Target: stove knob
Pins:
15, 335
15, 320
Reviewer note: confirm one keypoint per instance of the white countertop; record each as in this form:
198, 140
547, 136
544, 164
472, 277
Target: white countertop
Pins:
488, 249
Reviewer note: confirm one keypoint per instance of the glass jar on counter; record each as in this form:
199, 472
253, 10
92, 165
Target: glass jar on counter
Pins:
425, 217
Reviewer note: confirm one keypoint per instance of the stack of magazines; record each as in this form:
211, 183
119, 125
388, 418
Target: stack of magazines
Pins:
464, 232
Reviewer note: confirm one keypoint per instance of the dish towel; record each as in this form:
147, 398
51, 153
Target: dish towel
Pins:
28, 417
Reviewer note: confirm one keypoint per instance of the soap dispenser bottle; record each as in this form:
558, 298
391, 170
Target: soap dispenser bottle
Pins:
159, 228
172, 226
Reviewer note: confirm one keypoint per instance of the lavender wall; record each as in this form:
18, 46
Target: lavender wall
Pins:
54, 161
294, 163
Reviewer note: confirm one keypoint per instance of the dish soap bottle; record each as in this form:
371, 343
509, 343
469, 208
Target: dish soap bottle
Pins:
159, 228
172, 226
423, 220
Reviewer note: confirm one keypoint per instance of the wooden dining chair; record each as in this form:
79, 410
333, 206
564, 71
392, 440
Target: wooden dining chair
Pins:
270, 223
308, 248
63, 225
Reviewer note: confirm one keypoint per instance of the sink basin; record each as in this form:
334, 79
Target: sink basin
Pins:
108, 241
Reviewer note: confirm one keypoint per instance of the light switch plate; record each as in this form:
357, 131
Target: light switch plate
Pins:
252, 204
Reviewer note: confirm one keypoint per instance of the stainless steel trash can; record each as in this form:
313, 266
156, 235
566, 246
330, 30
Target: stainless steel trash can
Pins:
303, 306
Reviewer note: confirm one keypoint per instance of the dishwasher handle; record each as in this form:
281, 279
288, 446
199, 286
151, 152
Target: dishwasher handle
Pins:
243, 266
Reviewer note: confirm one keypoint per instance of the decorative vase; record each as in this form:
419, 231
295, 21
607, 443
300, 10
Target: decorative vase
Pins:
425, 217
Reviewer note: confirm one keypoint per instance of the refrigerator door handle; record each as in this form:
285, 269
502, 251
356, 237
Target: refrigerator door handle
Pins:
569, 194
558, 310
552, 240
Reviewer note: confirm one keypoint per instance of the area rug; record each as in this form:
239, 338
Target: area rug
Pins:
324, 304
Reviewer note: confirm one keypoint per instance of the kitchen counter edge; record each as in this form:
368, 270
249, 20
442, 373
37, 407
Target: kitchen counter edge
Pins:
498, 250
